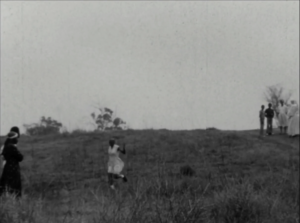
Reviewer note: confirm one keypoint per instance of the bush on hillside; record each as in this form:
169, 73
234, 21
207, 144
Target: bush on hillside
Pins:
46, 126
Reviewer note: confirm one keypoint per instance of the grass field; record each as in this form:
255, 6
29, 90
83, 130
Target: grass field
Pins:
239, 178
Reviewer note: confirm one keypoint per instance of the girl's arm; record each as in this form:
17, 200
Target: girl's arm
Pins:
18, 155
122, 150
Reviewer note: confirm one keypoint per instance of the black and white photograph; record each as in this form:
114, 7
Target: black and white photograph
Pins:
149, 111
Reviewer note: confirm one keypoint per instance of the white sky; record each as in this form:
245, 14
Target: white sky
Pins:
174, 65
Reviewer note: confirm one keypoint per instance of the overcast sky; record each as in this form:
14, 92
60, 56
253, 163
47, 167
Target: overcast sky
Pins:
174, 65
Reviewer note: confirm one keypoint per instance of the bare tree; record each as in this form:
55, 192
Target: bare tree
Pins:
275, 93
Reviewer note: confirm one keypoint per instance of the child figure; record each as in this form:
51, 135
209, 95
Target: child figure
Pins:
115, 164
262, 119
269, 113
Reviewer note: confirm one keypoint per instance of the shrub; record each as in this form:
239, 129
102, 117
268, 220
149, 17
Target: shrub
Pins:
46, 126
240, 204
187, 171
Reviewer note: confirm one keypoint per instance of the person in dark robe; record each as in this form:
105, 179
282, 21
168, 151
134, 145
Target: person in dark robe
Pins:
13, 129
269, 113
10, 181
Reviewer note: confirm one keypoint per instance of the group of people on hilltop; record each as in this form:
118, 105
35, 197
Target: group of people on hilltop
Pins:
287, 117
10, 181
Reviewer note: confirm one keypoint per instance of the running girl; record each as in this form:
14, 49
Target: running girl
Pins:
115, 164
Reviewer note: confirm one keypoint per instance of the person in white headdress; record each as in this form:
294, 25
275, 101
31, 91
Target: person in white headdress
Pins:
293, 119
115, 164
282, 117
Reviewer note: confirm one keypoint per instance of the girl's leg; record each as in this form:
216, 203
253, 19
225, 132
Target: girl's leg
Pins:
117, 176
284, 129
110, 179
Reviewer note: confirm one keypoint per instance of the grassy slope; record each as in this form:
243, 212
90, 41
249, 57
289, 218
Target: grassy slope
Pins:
239, 178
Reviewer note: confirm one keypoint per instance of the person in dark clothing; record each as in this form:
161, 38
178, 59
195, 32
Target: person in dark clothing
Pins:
262, 119
10, 180
15, 130
269, 113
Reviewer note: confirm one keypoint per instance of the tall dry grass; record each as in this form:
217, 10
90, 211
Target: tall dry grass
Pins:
238, 179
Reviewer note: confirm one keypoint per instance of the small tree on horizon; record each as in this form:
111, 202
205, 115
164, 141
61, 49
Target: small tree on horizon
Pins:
44, 127
274, 94
105, 120
118, 122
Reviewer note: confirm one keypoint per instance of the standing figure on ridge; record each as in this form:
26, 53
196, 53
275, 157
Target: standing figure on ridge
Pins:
269, 113
282, 117
262, 119
293, 119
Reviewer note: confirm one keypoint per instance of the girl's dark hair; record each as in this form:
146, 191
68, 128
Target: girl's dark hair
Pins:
112, 142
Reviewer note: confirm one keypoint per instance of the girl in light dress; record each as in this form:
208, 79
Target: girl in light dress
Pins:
282, 117
293, 119
115, 164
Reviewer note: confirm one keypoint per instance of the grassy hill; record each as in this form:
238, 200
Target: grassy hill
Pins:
239, 177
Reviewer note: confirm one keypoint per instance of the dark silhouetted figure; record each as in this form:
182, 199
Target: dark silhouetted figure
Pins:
10, 181
269, 113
